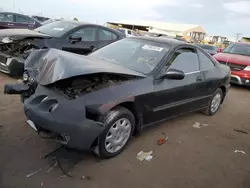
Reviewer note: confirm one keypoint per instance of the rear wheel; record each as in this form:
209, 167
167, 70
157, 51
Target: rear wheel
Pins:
214, 103
120, 125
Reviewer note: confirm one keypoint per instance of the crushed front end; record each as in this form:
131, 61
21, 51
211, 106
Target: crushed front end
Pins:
13, 55
60, 95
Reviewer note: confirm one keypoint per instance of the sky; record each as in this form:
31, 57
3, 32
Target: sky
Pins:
218, 17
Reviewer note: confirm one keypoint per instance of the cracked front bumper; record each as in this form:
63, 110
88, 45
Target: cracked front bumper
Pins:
64, 122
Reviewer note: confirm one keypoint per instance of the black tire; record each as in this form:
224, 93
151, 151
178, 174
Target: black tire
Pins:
109, 119
208, 111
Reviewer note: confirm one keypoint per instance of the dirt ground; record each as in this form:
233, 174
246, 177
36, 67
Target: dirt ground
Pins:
202, 158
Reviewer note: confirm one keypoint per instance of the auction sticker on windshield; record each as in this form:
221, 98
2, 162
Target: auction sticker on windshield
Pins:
154, 48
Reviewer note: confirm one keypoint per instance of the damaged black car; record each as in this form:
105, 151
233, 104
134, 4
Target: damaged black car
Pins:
73, 36
98, 102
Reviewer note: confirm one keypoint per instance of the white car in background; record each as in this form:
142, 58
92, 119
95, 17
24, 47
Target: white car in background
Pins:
127, 32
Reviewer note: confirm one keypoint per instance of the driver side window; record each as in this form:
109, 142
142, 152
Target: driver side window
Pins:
185, 60
86, 33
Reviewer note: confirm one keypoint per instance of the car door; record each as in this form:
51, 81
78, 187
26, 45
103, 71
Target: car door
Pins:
24, 22
87, 40
210, 76
105, 37
7, 21
175, 97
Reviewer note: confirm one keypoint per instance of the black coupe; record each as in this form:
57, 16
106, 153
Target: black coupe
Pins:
97, 102
72, 36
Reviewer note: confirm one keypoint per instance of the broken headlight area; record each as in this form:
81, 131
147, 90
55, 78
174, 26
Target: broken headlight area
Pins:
18, 48
77, 86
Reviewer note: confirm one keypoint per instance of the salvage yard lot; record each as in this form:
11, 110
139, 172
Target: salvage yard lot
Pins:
191, 157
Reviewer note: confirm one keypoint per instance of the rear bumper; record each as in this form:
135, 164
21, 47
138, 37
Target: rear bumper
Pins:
65, 124
240, 78
11, 65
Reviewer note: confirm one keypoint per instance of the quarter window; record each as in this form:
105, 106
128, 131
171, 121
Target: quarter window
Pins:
86, 33
185, 60
205, 62
106, 35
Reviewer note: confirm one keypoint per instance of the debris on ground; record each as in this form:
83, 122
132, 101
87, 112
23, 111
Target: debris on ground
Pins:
239, 151
162, 141
240, 131
39, 170
41, 184
60, 177
148, 158
86, 178
50, 169
141, 156
198, 125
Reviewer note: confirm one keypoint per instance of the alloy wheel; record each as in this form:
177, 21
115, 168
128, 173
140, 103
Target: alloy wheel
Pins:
118, 135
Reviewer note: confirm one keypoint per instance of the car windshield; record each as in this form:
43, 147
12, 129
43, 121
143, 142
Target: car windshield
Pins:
238, 48
56, 28
136, 54
207, 47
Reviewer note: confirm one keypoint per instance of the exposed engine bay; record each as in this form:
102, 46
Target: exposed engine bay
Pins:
76, 86
19, 47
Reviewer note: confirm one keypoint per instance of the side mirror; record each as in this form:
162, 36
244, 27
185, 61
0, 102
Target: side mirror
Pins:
74, 39
219, 50
174, 74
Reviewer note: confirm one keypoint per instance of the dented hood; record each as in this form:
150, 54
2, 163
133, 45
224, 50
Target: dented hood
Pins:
18, 34
50, 65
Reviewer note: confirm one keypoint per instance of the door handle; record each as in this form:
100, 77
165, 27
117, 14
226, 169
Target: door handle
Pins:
198, 79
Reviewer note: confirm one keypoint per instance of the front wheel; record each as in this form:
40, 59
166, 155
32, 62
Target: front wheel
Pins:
120, 125
214, 103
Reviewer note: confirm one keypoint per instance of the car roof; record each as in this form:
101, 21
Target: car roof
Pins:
169, 41
74, 22
19, 15
79, 23
14, 13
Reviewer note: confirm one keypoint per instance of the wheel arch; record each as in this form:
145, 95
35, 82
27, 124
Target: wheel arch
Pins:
132, 108
224, 90
130, 105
